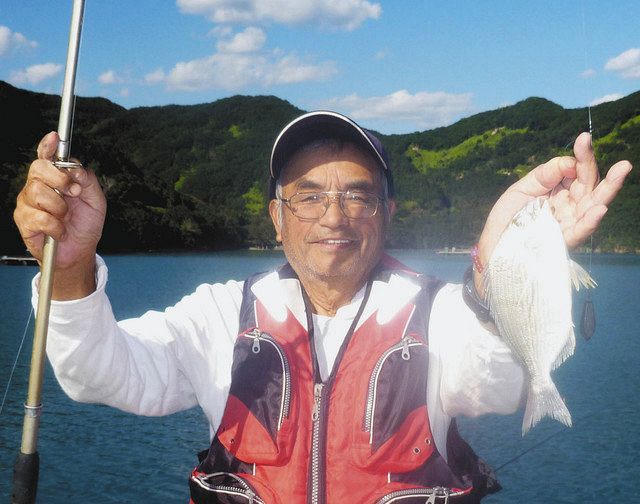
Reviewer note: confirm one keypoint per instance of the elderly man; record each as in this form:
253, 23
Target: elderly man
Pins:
336, 378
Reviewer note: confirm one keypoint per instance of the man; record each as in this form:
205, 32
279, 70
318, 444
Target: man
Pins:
336, 378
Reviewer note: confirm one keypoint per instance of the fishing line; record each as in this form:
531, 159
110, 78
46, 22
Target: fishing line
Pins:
15, 363
588, 316
543, 441
586, 57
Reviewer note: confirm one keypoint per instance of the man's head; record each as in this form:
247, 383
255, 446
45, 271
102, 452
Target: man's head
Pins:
331, 205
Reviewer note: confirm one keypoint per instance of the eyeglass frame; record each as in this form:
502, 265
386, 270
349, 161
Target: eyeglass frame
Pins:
330, 197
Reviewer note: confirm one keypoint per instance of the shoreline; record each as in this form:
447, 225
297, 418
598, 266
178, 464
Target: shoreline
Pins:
27, 260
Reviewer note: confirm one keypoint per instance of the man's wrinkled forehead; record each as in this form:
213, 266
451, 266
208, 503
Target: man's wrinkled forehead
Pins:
313, 168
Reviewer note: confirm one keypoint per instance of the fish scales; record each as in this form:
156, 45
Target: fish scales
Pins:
528, 286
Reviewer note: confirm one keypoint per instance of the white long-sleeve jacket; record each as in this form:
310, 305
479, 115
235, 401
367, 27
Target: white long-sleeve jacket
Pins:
163, 362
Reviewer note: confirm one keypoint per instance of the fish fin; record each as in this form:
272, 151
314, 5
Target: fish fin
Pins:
580, 276
544, 400
568, 349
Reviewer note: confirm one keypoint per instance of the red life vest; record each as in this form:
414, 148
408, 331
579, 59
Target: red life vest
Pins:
361, 436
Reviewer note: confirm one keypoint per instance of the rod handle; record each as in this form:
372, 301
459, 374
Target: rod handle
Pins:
25, 478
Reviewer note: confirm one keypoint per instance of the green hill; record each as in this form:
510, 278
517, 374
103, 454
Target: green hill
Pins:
194, 177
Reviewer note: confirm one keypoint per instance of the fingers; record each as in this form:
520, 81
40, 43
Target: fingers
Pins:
48, 146
592, 208
41, 207
606, 190
585, 227
67, 182
563, 171
39, 211
33, 224
37, 194
544, 178
586, 165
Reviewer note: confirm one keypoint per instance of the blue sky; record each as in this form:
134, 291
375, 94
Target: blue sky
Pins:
394, 66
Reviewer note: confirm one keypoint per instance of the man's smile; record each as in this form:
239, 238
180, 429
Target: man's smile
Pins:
335, 242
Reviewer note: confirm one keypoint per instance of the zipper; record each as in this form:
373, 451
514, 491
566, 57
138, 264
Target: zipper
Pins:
434, 495
315, 443
404, 345
259, 336
245, 491
316, 484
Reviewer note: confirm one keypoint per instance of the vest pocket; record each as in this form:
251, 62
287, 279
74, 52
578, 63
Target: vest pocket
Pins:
433, 495
228, 488
394, 435
258, 422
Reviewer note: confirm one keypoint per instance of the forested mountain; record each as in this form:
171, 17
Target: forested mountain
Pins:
195, 177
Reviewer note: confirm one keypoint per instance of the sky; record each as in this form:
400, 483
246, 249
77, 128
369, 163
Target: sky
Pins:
393, 66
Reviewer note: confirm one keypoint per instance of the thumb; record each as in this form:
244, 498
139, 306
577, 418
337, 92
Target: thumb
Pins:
48, 145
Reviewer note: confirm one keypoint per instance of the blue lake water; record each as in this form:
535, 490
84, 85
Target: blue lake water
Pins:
92, 453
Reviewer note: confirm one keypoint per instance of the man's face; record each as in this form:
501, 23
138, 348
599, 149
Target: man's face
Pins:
333, 247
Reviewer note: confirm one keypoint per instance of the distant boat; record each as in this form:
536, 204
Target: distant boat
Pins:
18, 260
454, 250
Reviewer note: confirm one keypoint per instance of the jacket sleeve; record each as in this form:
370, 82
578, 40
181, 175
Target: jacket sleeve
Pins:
475, 371
157, 364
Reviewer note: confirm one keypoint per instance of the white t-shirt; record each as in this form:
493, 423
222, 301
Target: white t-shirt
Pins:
163, 362
329, 333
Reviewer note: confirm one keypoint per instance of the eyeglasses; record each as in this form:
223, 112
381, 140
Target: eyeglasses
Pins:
313, 205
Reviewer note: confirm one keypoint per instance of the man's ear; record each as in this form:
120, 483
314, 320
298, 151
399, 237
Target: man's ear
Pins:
274, 210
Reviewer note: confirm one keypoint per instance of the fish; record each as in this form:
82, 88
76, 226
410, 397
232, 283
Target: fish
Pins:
528, 284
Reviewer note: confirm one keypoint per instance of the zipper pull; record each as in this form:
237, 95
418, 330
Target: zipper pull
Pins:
317, 398
438, 493
405, 348
255, 348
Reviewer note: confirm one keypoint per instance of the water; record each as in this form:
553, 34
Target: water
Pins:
92, 453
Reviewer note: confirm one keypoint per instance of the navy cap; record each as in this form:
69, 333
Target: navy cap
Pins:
318, 125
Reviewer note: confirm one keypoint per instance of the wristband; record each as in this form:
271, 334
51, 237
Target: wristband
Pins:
471, 298
475, 257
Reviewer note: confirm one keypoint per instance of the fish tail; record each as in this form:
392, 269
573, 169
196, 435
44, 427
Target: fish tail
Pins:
580, 276
544, 401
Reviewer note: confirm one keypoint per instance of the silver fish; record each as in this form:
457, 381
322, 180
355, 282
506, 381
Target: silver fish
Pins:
528, 289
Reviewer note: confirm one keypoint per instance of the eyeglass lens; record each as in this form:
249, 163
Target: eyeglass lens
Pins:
354, 205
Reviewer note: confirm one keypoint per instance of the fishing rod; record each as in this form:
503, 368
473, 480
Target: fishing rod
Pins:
27, 466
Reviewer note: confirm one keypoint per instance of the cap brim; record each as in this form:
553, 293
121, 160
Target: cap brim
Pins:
314, 126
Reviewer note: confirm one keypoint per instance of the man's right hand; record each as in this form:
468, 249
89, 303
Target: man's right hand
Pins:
69, 206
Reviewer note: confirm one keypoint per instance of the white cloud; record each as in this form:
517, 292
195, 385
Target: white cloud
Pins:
35, 74
606, 98
590, 72
345, 14
627, 64
109, 77
422, 109
250, 40
155, 76
124, 92
10, 40
240, 70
